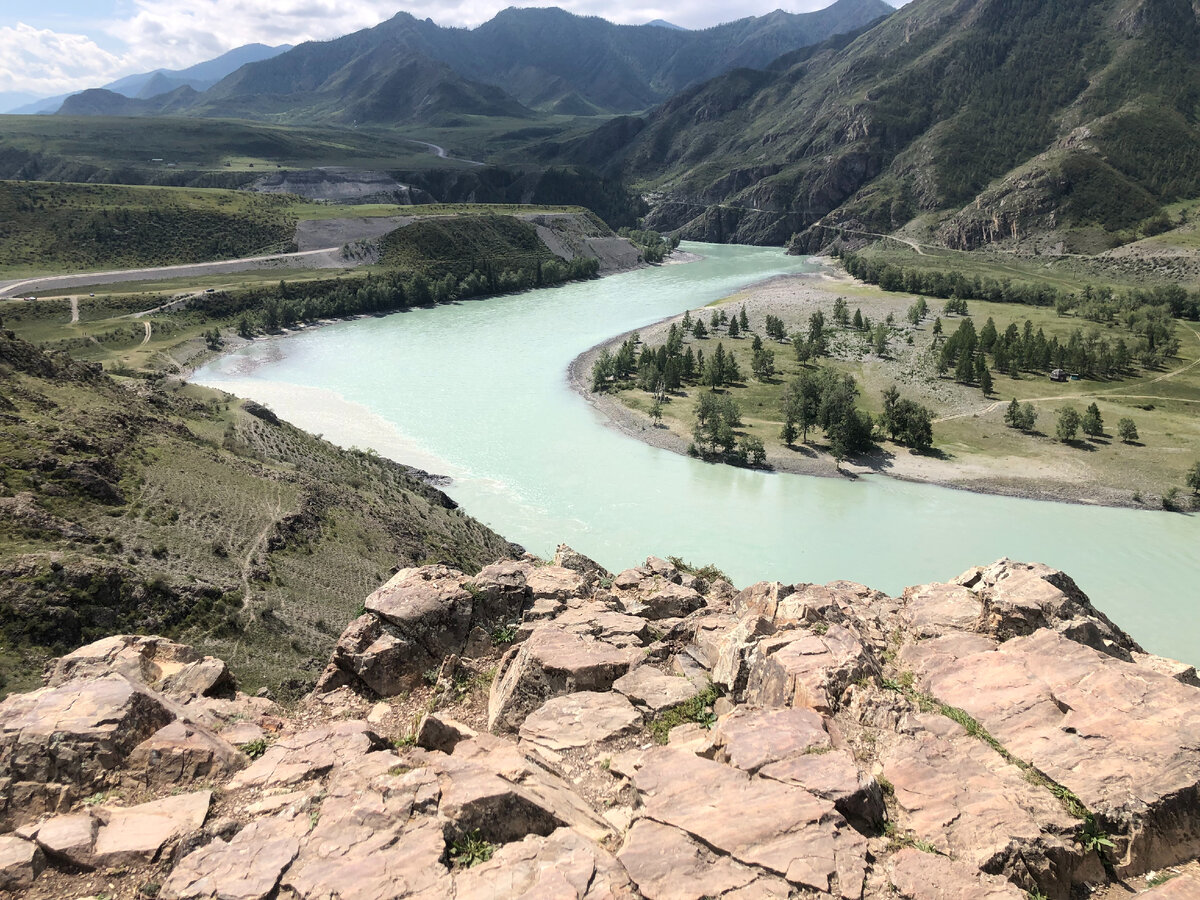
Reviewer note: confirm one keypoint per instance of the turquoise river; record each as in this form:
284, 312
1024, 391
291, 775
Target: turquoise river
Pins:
478, 391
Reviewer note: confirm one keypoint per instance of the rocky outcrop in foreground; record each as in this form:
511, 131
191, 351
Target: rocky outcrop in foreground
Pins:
554, 731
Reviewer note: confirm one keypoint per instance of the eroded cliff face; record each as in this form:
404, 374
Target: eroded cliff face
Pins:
557, 731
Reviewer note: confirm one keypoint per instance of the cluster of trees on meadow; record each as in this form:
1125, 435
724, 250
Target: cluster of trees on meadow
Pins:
818, 397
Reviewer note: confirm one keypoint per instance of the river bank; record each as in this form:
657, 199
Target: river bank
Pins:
1045, 474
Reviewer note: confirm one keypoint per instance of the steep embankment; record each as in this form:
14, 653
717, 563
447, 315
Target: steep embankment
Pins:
647, 735
144, 505
1072, 123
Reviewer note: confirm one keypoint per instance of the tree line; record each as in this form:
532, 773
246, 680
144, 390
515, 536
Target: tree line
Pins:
282, 306
1101, 304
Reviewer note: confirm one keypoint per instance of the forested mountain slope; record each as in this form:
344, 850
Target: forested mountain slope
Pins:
1071, 121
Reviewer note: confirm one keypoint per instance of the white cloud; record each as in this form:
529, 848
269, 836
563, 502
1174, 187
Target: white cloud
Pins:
44, 62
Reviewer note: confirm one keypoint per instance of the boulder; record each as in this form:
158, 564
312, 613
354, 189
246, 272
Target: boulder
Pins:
179, 753
803, 668
579, 720
649, 688
368, 656
670, 601
68, 741
70, 838
165, 665
757, 822
429, 609
501, 591
1020, 598
550, 663
440, 733
567, 558
21, 862
931, 610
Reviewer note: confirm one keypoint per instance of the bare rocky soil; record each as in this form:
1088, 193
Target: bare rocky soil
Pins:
555, 731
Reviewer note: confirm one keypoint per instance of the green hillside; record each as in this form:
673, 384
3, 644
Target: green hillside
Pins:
76, 227
1059, 123
143, 506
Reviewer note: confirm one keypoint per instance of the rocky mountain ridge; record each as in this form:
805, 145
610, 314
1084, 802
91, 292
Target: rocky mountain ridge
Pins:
548, 60
552, 730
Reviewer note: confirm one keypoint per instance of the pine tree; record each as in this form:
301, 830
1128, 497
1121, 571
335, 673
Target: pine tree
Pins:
1012, 415
1127, 430
743, 319
982, 375
734, 329
1092, 424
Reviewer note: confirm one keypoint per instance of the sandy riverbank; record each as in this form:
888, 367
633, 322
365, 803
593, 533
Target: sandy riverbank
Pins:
1036, 479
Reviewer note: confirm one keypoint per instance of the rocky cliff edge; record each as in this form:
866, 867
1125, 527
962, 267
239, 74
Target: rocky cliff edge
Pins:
555, 731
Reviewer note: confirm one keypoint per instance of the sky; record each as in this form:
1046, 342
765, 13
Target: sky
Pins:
56, 46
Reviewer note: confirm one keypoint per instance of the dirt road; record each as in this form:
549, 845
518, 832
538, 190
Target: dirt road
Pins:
323, 258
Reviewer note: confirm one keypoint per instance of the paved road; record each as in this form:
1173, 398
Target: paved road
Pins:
49, 282
442, 154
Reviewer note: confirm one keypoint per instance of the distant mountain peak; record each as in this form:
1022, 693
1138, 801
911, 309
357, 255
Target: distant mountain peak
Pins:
663, 23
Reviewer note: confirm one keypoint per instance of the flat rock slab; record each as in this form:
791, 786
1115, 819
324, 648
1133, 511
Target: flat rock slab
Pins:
959, 795
914, 875
136, 834
248, 867
578, 720
308, 755
561, 866
1124, 738
757, 822
554, 583
652, 689
1182, 887
668, 864
605, 625
834, 776
752, 738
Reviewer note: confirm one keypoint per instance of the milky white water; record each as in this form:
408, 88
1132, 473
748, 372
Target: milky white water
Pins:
478, 391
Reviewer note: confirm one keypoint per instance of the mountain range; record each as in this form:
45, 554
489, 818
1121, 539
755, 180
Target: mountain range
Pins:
199, 77
975, 121
522, 62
